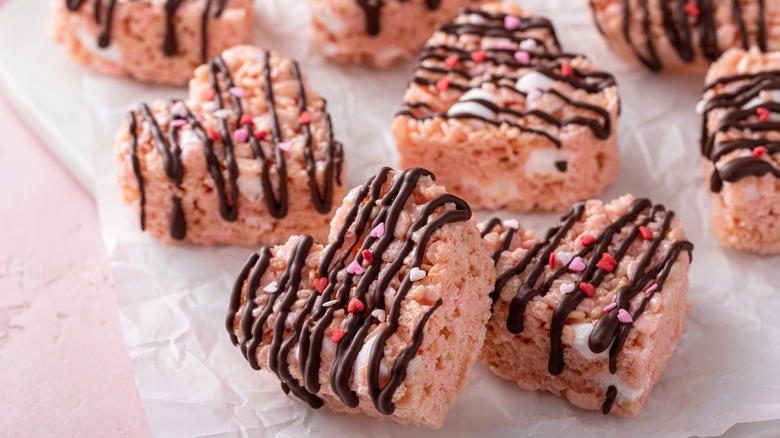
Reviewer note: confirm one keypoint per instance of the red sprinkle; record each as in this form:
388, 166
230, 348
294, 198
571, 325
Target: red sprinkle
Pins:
367, 256
759, 151
451, 61
336, 334
210, 94
304, 118
213, 134
646, 233
566, 69
245, 120
355, 305
260, 134
443, 84
552, 260
763, 114
587, 240
692, 9
478, 56
607, 262
320, 284
587, 289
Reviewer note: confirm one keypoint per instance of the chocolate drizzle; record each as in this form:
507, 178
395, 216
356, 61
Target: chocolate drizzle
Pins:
607, 331
373, 12
313, 320
170, 46
683, 30
741, 117
547, 61
226, 187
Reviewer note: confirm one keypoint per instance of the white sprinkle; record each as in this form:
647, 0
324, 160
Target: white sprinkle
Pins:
379, 314
417, 274
285, 145
330, 303
238, 92
567, 288
223, 113
511, 223
271, 288
564, 257
533, 80
179, 109
476, 19
746, 153
209, 106
528, 44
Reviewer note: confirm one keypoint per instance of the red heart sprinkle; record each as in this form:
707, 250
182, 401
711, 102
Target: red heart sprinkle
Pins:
759, 151
566, 69
304, 118
647, 234
692, 9
552, 260
607, 263
443, 84
587, 289
260, 134
210, 94
763, 114
336, 334
451, 61
478, 56
320, 284
355, 305
587, 240
213, 134
367, 256
245, 120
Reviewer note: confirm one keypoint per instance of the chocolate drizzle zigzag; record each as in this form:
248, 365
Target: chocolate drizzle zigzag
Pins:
227, 189
607, 331
170, 46
743, 116
547, 61
370, 209
373, 12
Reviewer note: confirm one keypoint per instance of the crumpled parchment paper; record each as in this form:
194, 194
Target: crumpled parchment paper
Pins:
172, 299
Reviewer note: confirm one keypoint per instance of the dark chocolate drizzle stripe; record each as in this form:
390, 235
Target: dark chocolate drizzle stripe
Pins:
607, 331
309, 327
681, 29
547, 62
506, 236
373, 13
748, 87
170, 46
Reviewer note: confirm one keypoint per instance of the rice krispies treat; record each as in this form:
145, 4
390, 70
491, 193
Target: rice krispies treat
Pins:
741, 149
250, 159
671, 33
379, 33
387, 319
158, 41
594, 311
505, 119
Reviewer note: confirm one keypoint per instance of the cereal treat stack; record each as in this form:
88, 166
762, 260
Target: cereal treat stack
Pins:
387, 319
160, 41
594, 311
505, 119
250, 158
377, 32
741, 149
672, 33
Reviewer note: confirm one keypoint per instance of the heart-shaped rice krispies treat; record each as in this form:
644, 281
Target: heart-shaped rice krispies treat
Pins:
150, 41
249, 159
387, 319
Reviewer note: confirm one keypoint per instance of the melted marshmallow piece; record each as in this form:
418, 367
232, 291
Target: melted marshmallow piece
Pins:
89, 42
542, 163
533, 80
469, 104
765, 96
580, 342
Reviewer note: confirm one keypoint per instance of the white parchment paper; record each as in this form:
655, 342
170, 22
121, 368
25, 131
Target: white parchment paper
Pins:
173, 300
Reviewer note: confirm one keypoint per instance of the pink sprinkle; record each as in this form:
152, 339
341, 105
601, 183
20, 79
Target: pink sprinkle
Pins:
506, 45
285, 145
522, 56
378, 231
512, 22
241, 134
355, 268
625, 317
577, 265
178, 123
651, 289
610, 307
238, 92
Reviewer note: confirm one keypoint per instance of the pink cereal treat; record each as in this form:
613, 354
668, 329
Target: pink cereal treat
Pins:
379, 33
394, 339
741, 149
150, 41
212, 169
601, 336
504, 118
670, 34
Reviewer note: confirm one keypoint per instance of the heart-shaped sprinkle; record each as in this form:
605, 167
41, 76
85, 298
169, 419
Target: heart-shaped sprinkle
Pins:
355, 268
209, 94
759, 151
320, 284
511, 223
566, 69
763, 114
512, 22
355, 305
610, 307
478, 55
336, 334
285, 145
378, 231
523, 57
179, 109
260, 134
245, 119
379, 314
587, 240
651, 289
443, 84
587, 289
625, 317
367, 256
607, 262
213, 134
567, 288
209, 106
238, 92
271, 288
417, 274
692, 9
647, 234
241, 135
577, 265
178, 123
451, 61
304, 118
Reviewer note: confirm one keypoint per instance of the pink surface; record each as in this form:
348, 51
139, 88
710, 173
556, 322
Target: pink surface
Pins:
64, 367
